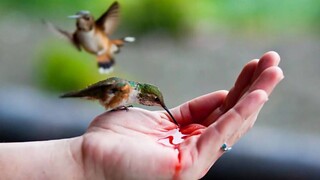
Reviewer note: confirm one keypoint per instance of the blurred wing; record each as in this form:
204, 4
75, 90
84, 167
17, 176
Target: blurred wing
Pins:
110, 82
99, 90
71, 37
109, 20
108, 86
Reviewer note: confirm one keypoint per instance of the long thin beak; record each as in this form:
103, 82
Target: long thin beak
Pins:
174, 120
74, 16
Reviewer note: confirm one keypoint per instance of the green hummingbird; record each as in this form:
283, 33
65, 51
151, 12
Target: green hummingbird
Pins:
117, 94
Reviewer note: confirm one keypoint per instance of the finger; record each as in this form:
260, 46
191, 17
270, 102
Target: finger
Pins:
241, 83
196, 110
247, 125
249, 75
267, 80
269, 59
210, 141
228, 123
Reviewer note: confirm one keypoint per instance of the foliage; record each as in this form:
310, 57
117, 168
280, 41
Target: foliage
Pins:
171, 17
146, 16
65, 69
268, 15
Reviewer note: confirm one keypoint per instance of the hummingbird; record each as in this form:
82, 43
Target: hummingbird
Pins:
117, 94
93, 36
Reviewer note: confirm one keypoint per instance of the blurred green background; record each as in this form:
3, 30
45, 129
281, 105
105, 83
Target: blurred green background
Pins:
184, 25
187, 48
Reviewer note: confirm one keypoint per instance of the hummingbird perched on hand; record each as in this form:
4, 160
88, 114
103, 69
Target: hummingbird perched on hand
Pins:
116, 94
93, 35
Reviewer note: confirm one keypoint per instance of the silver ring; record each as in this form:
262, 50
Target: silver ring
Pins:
225, 147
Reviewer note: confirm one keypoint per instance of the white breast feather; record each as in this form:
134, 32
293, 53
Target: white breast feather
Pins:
92, 42
131, 100
133, 97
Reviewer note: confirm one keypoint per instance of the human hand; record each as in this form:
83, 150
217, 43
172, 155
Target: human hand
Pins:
129, 144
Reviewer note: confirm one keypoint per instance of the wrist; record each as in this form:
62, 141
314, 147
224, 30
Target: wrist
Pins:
56, 159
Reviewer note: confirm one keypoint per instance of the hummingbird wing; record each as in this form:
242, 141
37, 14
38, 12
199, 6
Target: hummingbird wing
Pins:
70, 36
100, 90
109, 20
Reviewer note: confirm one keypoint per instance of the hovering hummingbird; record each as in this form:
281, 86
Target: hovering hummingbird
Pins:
117, 94
93, 35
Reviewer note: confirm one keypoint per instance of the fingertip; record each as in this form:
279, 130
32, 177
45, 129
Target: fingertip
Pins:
279, 73
222, 93
253, 61
259, 95
268, 80
273, 74
271, 56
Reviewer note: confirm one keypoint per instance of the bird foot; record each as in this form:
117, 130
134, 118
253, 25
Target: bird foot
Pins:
121, 108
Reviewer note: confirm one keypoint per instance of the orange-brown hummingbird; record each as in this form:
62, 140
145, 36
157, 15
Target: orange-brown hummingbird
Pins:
93, 35
116, 93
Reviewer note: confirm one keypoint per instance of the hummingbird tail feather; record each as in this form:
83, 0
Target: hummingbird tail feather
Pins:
120, 42
128, 39
72, 94
106, 67
91, 92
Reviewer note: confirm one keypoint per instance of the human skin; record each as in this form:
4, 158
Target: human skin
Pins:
125, 144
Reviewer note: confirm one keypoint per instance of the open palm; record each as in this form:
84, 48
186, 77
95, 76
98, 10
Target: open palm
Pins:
129, 144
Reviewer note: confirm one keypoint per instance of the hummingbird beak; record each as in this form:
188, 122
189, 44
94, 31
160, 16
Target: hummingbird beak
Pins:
79, 14
76, 16
174, 120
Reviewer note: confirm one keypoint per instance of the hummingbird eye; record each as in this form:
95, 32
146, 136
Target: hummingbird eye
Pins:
114, 90
87, 18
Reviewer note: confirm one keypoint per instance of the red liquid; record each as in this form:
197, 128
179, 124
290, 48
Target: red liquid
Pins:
173, 138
